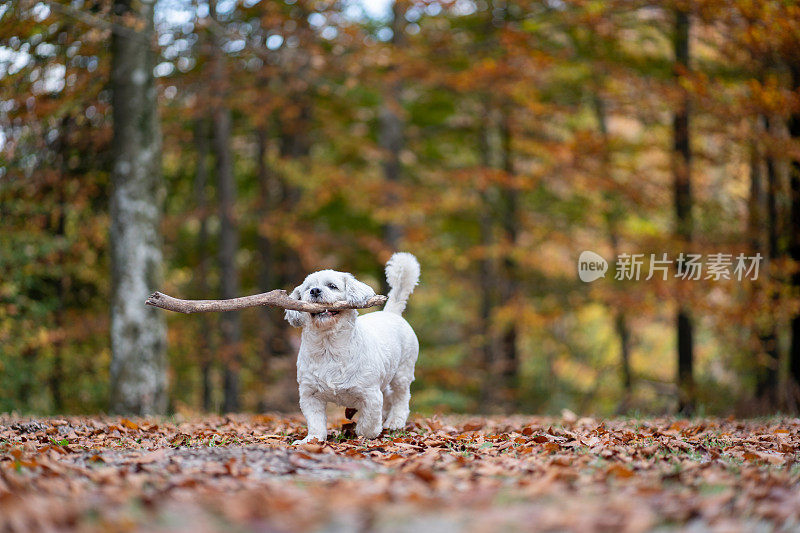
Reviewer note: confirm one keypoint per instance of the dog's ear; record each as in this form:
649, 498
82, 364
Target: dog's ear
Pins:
355, 291
296, 319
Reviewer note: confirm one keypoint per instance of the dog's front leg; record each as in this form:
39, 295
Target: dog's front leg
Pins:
370, 414
314, 410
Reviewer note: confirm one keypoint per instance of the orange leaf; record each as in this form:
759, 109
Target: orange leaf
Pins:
552, 446
128, 424
620, 471
473, 426
312, 447
425, 474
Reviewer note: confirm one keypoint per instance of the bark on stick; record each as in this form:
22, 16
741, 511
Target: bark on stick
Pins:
276, 298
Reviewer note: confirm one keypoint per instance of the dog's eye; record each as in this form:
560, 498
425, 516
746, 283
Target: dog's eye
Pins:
333, 287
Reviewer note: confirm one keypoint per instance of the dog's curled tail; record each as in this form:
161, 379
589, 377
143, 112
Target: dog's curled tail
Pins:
402, 274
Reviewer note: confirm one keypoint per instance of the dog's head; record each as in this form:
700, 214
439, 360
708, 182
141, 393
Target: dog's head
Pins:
328, 286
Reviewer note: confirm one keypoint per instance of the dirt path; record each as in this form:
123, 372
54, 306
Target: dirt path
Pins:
469, 474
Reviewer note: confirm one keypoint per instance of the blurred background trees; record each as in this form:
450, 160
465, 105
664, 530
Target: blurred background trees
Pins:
495, 140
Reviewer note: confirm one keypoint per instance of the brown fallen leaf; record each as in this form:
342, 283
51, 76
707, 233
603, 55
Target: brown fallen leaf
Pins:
425, 474
129, 424
474, 425
620, 471
551, 446
772, 458
312, 447
750, 456
181, 439
561, 460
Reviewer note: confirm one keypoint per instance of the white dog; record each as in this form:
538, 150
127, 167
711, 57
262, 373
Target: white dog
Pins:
363, 362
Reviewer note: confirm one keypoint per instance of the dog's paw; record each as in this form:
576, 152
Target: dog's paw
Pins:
394, 423
368, 432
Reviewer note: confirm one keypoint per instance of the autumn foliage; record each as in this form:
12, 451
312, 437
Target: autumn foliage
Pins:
494, 140
467, 474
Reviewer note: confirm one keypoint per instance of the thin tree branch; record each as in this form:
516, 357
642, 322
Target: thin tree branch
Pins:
276, 298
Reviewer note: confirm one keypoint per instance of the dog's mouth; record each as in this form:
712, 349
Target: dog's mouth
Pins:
324, 314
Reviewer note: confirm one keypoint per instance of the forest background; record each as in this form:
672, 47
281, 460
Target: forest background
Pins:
494, 140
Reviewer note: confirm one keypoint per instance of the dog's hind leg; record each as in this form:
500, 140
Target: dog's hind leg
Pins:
387, 403
397, 409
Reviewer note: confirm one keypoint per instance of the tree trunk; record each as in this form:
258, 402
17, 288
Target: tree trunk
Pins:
201, 278
794, 242
509, 286
230, 323
294, 143
755, 200
683, 214
391, 122
57, 373
621, 326
623, 332
265, 203
767, 379
486, 271
267, 279
138, 333
611, 216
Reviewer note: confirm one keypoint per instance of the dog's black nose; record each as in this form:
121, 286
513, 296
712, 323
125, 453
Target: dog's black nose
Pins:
316, 292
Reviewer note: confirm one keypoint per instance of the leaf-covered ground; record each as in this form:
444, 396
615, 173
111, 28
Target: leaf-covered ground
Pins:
240, 473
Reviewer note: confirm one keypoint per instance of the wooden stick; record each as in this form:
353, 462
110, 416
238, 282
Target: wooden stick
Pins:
276, 298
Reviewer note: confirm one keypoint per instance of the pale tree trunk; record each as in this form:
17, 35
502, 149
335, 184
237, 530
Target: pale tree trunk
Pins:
230, 323
683, 215
138, 333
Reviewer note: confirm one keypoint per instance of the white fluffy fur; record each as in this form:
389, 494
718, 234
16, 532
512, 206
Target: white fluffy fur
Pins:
365, 362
